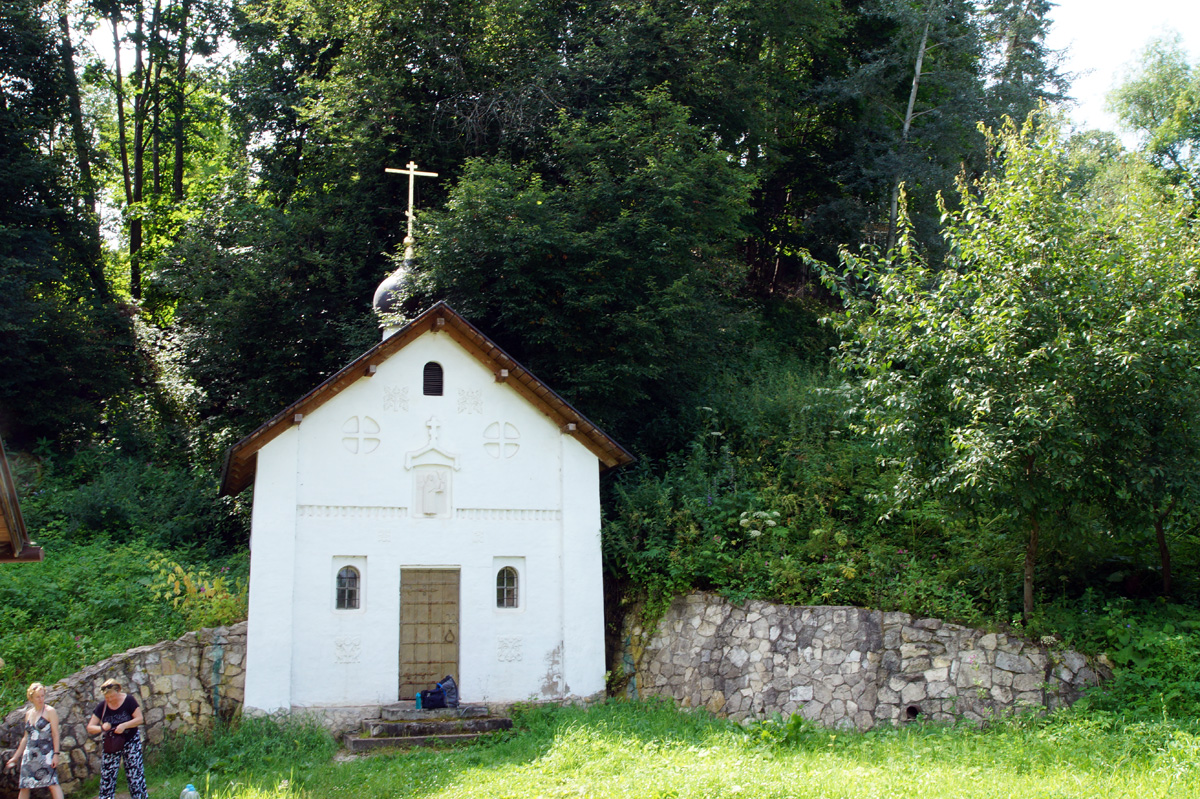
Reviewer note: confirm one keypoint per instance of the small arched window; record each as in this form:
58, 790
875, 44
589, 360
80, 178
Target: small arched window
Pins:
433, 379
506, 587
347, 588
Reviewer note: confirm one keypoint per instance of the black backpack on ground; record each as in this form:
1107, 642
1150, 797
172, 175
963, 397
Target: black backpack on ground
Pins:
444, 695
450, 688
433, 699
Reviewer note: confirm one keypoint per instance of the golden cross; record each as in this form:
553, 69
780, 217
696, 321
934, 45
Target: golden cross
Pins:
410, 169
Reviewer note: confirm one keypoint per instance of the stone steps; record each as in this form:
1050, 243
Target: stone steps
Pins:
356, 745
402, 726
399, 729
407, 711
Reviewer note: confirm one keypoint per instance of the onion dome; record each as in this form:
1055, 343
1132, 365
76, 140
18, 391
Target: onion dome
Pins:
390, 295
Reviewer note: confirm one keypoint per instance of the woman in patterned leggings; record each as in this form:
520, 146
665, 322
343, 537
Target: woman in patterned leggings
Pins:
119, 715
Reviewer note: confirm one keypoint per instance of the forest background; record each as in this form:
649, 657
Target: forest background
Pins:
872, 343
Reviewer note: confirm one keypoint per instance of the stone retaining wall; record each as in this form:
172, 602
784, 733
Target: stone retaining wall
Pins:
842, 666
181, 685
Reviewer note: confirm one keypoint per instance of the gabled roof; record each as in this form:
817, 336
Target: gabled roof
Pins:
241, 458
14, 539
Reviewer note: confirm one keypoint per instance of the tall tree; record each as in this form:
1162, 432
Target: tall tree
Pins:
1022, 72
82, 141
152, 109
1160, 101
1151, 443
993, 381
63, 347
917, 83
608, 274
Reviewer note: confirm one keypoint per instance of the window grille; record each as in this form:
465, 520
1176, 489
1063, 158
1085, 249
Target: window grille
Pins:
347, 588
506, 587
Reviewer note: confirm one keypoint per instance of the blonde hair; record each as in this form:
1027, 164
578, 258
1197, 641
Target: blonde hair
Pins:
33, 686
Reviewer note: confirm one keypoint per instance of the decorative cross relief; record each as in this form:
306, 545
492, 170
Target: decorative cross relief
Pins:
433, 470
501, 439
361, 437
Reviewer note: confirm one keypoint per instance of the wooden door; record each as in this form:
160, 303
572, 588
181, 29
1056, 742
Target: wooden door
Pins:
428, 628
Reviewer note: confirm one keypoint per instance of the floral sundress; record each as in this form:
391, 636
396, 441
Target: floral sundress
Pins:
36, 771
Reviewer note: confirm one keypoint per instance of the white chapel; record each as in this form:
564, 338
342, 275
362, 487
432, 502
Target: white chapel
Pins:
432, 508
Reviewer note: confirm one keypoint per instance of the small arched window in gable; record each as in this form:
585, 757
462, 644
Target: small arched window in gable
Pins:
433, 379
347, 588
506, 587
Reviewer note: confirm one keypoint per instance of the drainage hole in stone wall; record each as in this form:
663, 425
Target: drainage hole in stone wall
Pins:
911, 712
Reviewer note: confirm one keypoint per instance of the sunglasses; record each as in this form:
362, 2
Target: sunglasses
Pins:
107, 688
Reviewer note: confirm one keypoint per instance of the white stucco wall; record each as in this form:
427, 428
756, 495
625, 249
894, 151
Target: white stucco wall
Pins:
319, 505
272, 561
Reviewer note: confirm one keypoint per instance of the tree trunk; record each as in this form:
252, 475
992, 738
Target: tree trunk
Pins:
82, 157
179, 98
140, 107
1030, 562
893, 212
154, 82
122, 141
1164, 553
156, 135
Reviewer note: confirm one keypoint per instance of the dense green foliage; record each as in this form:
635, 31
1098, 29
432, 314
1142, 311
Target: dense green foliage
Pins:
101, 493
778, 448
110, 525
100, 603
64, 349
782, 447
1026, 406
692, 153
625, 749
1152, 647
636, 199
1047, 361
623, 253
1160, 101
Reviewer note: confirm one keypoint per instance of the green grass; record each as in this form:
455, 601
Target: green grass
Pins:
648, 750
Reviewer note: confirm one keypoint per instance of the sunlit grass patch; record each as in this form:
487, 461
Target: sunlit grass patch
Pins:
650, 750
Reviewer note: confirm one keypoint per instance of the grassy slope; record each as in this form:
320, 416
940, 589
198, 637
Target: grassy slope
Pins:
624, 749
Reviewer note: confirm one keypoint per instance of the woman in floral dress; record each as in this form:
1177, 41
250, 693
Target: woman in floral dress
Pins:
38, 751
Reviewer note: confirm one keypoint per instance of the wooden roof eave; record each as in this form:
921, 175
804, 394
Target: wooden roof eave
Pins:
241, 459
608, 451
15, 546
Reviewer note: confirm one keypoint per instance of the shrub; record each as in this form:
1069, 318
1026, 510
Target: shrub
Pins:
100, 491
205, 599
772, 501
84, 603
249, 748
1154, 648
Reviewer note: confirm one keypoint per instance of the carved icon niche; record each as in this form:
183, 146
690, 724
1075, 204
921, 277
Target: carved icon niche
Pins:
433, 469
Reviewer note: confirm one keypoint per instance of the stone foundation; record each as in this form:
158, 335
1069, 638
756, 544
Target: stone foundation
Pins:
181, 685
336, 720
842, 666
